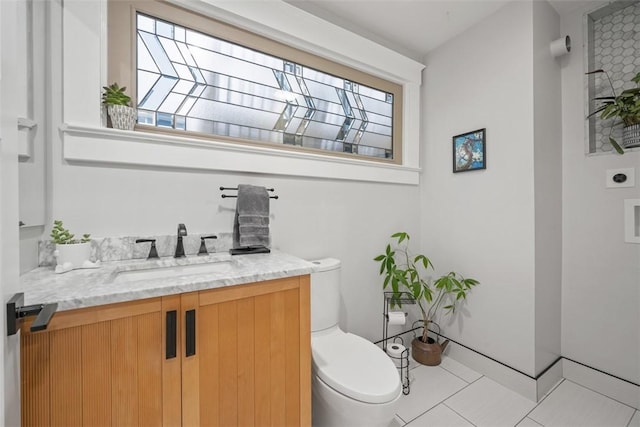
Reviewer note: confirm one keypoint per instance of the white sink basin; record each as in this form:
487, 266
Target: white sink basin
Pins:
173, 271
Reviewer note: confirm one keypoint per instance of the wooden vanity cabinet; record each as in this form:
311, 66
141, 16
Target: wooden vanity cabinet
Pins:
98, 366
233, 356
252, 360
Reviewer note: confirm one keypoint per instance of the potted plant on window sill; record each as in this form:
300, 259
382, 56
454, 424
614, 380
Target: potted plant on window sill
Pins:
625, 108
405, 272
70, 253
118, 104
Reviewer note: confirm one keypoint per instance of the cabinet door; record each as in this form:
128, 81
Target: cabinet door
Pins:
250, 364
98, 367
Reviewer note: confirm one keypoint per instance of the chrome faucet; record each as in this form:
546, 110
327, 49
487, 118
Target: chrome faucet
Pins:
182, 231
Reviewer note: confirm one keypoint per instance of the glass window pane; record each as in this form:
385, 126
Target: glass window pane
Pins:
191, 81
146, 24
145, 60
172, 50
158, 53
164, 29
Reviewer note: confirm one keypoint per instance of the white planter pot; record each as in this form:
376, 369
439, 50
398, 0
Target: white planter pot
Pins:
73, 256
122, 116
631, 136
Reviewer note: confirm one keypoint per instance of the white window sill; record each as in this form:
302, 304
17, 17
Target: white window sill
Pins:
87, 144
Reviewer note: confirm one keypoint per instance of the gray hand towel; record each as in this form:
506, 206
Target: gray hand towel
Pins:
257, 230
252, 209
253, 220
253, 200
254, 241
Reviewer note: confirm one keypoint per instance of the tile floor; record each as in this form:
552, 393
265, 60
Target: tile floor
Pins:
452, 395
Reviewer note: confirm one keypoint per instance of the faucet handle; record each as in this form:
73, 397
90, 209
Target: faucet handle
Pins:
203, 246
153, 253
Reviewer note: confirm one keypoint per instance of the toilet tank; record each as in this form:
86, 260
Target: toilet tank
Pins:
325, 294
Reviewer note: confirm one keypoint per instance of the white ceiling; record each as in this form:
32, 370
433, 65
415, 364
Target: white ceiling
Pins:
413, 27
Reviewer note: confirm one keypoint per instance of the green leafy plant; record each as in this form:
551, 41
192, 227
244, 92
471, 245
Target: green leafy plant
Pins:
405, 272
114, 95
623, 109
62, 236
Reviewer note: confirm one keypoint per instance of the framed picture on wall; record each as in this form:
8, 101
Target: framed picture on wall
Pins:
469, 151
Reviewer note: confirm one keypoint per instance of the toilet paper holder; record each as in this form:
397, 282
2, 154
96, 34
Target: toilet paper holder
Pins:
401, 361
400, 358
398, 299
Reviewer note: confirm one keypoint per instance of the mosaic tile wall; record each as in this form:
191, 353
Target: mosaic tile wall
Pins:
615, 48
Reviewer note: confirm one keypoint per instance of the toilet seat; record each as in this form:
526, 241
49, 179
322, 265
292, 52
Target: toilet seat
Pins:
354, 367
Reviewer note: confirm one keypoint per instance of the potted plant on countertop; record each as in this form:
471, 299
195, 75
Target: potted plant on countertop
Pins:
70, 253
625, 108
118, 104
405, 272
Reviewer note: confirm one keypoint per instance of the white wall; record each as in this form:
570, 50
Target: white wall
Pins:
311, 219
547, 133
481, 223
314, 217
601, 273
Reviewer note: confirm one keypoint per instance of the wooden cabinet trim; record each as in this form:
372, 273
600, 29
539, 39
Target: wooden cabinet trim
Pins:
305, 350
89, 315
230, 293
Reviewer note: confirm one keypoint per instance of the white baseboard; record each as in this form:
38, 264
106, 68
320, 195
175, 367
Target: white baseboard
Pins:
535, 389
610, 386
547, 381
528, 387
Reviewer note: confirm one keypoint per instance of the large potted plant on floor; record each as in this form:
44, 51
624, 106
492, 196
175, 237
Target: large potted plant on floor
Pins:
405, 273
118, 104
622, 109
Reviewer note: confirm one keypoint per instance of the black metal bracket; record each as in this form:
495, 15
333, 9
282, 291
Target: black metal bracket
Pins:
16, 311
248, 250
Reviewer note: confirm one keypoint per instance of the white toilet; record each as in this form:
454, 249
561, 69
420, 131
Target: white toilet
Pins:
354, 381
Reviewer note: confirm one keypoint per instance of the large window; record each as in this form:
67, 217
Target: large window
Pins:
198, 76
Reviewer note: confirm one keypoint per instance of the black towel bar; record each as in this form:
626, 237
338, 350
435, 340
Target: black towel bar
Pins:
236, 188
225, 196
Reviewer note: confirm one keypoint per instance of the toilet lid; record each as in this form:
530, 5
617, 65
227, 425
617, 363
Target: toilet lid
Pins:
355, 367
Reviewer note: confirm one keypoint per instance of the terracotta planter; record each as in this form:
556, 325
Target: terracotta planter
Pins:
122, 116
429, 353
631, 136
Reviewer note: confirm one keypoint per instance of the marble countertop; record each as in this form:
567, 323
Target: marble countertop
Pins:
103, 285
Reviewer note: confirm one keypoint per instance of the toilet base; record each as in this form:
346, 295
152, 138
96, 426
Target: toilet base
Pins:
333, 409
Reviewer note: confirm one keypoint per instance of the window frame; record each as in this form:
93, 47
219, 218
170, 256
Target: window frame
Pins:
121, 62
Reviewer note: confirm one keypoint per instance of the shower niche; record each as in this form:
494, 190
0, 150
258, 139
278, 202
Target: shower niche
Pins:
612, 35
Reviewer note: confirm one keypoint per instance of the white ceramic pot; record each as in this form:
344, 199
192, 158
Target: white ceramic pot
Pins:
122, 116
74, 254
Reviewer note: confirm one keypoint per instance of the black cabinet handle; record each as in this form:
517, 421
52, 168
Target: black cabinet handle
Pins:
190, 325
172, 332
